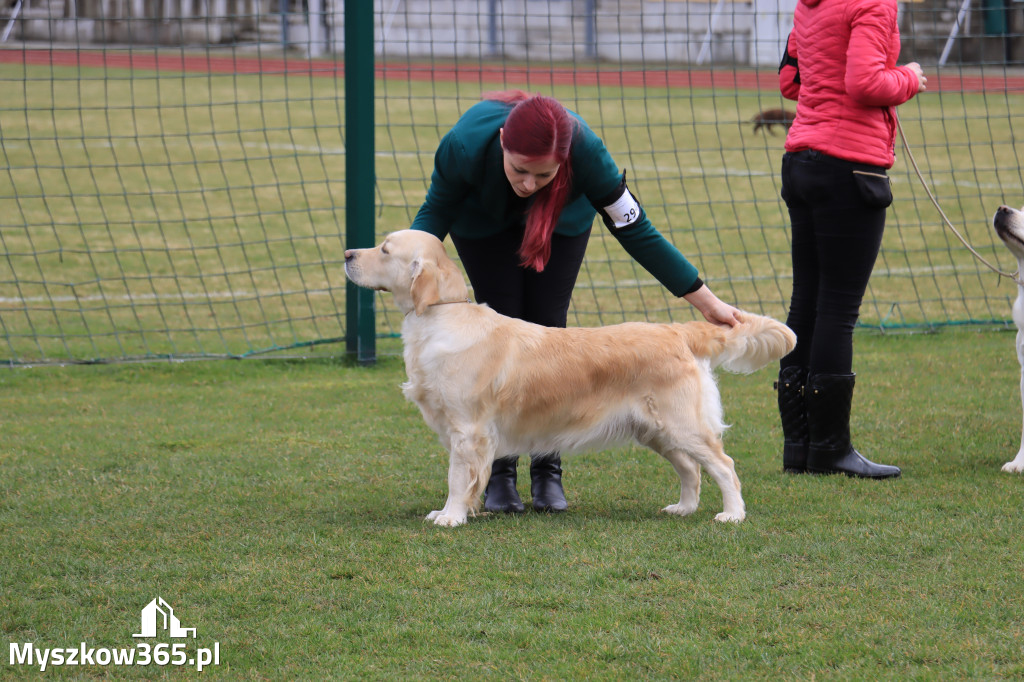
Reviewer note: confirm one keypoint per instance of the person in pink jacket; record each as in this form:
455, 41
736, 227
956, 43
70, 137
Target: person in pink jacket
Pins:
840, 67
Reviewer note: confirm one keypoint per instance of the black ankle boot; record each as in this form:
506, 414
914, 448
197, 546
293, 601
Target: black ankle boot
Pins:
793, 413
501, 494
829, 399
546, 483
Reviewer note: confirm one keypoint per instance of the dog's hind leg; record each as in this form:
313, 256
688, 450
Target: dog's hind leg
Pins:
689, 482
708, 451
689, 449
1017, 465
469, 466
691, 439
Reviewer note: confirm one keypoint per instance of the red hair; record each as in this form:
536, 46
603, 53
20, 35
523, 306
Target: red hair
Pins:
539, 128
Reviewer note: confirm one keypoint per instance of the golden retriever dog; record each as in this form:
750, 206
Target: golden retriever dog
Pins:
493, 386
1009, 225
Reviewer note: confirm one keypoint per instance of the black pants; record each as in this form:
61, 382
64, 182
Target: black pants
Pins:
837, 212
492, 264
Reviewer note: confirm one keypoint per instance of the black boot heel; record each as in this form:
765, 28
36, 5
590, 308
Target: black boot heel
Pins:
546, 483
501, 494
829, 399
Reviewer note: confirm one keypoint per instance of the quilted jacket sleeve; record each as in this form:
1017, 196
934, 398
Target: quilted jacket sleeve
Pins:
789, 75
870, 79
447, 188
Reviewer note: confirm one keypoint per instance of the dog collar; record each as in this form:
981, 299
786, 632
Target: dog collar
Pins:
443, 303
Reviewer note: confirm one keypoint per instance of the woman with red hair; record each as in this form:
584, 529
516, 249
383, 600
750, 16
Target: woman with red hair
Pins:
517, 183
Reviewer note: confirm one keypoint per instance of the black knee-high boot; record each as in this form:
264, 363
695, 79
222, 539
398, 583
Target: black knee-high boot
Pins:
546, 483
501, 494
829, 399
793, 412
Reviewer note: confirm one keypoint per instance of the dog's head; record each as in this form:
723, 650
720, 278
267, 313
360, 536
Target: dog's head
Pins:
413, 266
1009, 224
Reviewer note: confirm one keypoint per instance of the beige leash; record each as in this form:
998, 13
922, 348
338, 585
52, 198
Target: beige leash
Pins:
1015, 276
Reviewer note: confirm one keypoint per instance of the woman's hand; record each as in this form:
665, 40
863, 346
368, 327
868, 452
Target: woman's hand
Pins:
919, 72
712, 308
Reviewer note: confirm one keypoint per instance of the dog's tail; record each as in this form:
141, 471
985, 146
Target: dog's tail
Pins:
747, 347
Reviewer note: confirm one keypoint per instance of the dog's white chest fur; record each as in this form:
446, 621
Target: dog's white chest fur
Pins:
1018, 310
435, 361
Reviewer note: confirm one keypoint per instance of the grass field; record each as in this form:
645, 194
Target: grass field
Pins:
278, 507
156, 213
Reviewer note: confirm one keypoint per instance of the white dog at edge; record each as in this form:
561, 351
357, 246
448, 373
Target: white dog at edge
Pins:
1009, 224
493, 386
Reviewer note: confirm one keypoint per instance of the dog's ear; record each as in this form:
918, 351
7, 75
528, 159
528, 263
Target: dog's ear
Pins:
451, 283
424, 288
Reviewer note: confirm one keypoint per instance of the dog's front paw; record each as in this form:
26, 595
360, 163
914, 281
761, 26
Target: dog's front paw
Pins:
680, 509
1016, 466
726, 517
443, 518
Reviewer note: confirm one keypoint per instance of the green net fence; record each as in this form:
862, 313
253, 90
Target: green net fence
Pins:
172, 175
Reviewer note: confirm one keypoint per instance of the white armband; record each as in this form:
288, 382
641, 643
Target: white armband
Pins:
624, 212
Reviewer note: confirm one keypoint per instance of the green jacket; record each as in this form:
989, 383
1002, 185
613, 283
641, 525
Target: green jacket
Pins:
470, 195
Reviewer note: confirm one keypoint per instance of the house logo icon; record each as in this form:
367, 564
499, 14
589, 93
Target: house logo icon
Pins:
158, 615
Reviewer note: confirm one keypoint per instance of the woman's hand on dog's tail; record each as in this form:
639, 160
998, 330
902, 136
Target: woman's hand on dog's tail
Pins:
714, 310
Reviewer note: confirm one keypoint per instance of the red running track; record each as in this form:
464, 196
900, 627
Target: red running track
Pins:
450, 72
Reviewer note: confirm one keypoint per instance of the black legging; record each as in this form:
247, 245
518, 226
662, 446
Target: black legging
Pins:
493, 266
837, 211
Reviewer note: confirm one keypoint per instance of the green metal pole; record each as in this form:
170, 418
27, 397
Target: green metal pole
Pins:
360, 176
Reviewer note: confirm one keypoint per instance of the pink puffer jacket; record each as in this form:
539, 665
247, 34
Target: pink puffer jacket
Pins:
845, 80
